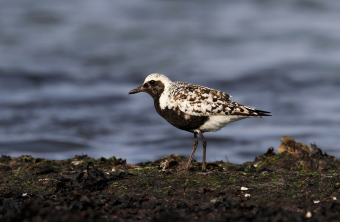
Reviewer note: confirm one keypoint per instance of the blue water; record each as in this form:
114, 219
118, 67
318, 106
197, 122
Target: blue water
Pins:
66, 68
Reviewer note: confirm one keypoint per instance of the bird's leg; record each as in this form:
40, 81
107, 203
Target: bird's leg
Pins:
192, 152
204, 142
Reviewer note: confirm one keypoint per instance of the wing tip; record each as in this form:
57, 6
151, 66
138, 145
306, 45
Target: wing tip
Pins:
262, 113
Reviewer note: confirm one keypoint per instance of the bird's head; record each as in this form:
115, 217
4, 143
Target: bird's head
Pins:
154, 85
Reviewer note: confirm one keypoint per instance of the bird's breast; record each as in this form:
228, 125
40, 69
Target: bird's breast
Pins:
180, 119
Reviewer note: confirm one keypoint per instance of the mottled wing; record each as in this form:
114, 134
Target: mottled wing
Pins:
200, 100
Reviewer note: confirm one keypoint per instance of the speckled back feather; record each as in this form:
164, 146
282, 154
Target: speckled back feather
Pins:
203, 101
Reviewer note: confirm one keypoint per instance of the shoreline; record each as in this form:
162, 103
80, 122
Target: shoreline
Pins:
290, 185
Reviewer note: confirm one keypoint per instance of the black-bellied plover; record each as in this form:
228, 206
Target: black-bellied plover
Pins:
193, 108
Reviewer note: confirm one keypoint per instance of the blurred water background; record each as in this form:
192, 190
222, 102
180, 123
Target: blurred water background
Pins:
66, 68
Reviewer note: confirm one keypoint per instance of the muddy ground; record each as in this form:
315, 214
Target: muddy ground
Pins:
289, 186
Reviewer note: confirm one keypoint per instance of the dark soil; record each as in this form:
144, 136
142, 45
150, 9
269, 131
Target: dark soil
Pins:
275, 187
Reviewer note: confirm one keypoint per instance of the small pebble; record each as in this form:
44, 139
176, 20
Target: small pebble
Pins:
213, 200
76, 162
308, 215
244, 188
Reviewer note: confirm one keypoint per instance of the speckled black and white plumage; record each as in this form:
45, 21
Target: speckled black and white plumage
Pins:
194, 108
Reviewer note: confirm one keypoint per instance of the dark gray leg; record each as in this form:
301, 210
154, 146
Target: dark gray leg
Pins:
192, 152
204, 142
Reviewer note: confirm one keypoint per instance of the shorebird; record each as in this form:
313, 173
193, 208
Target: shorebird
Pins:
193, 108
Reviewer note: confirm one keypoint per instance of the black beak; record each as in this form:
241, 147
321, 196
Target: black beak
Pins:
136, 90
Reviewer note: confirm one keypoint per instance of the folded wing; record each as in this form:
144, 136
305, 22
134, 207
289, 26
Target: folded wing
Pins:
203, 101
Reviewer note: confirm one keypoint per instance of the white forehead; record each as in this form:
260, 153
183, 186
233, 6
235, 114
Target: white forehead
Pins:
158, 77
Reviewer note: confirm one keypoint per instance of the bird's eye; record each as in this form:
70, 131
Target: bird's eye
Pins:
152, 82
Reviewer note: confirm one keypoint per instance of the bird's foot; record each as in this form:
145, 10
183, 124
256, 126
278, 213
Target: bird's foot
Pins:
188, 167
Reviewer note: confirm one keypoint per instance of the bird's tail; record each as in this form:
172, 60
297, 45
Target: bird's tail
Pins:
261, 113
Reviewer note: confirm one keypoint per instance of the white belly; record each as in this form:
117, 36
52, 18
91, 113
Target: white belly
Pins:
216, 123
